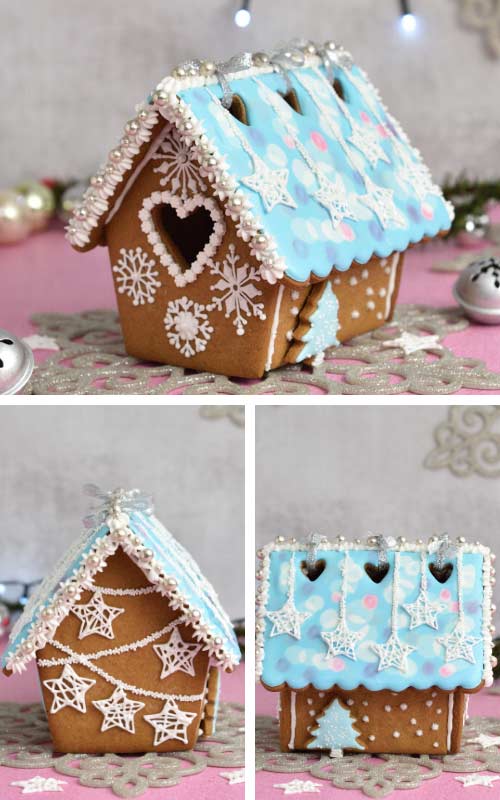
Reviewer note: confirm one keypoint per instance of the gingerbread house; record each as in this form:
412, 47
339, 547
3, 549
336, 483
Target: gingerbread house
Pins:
374, 647
257, 212
128, 636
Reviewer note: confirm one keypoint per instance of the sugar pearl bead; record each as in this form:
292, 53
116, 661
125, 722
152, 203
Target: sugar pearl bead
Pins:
413, 721
419, 733
365, 718
435, 744
350, 701
403, 706
434, 726
371, 737
396, 734
428, 703
388, 708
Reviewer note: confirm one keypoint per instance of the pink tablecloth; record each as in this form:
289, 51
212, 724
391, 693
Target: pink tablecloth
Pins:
207, 784
45, 274
443, 788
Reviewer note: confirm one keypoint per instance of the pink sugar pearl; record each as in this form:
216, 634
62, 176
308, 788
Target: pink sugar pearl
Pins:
319, 141
370, 601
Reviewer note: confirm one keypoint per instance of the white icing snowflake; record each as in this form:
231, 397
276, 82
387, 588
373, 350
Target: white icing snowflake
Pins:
298, 787
38, 784
271, 184
237, 284
136, 276
118, 711
176, 655
96, 617
419, 178
187, 325
393, 653
177, 166
170, 723
68, 690
381, 202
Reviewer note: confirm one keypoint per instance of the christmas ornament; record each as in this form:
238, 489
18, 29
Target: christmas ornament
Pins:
39, 202
14, 218
4, 619
70, 199
477, 290
16, 363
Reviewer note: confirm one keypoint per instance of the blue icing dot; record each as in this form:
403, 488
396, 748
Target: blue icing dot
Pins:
256, 136
301, 194
283, 556
307, 589
376, 230
282, 664
314, 632
309, 674
428, 668
370, 670
331, 253
413, 212
357, 178
300, 248
471, 607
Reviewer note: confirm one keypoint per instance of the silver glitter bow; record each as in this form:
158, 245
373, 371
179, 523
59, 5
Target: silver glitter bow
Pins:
444, 548
312, 543
225, 68
383, 544
115, 501
286, 58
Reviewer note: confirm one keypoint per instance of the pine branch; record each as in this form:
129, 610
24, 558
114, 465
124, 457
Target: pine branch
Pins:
470, 198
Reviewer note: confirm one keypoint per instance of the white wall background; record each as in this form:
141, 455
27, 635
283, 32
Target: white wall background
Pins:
193, 467
72, 72
354, 469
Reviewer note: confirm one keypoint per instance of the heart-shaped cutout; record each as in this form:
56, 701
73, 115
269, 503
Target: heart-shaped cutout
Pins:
314, 570
442, 573
184, 234
377, 572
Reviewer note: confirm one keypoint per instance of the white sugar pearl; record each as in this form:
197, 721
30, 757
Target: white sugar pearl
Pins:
350, 701
371, 737
353, 281
382, 292
396, 734
370, 305
365, 702
435, 744
388, 708
413, 721
365, 274
321, 694
439, 711
428, 703
434, 694
419, 733
403, 706
366, 718
355, 313
369, 291
309, 701
312, 712
434, 726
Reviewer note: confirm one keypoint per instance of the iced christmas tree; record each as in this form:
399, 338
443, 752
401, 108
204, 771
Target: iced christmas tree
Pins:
335, 730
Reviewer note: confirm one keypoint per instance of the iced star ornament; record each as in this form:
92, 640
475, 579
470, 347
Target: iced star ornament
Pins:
270, 184
341, 641
332, 196
69, 690
298, 787
235, 776
393, 653
485, 740
97, 617
381, 202
170, 723
458, 645
38, 784
288, 619
423, 612
118, 711
368, 142
176, 655
412, 343
477, 780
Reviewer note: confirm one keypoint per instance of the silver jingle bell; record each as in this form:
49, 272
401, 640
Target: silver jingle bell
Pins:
16, 363
477, 290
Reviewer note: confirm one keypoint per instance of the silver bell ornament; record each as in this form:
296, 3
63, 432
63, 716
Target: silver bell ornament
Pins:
477, 290
16, 363
14, 221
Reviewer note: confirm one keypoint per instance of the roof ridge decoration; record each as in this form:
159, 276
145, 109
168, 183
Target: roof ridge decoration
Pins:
302, 60
446, 625
123, 518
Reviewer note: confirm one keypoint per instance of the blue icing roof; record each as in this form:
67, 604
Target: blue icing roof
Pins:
341, 200
174, 560
300, 662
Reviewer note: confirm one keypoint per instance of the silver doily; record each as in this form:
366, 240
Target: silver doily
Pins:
25, 744
92, 360
468, 442
378, 776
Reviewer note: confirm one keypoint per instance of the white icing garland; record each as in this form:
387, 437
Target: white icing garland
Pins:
126, 592
183, 207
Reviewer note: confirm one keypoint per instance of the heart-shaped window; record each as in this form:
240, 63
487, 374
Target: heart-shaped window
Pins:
313, 570
441, 573
185, 234
377, 572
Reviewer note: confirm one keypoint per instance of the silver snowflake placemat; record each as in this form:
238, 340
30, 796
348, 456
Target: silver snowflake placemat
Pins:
25, 744
407, 355
380, 775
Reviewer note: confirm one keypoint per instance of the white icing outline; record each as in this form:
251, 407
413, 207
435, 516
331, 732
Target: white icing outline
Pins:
449, 731
274, 328
291, 545
293, 721
183, 208
391, 285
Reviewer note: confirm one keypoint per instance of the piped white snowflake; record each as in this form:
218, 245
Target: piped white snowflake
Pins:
187, 326
239, 293
38, 784
177, 166
137, 276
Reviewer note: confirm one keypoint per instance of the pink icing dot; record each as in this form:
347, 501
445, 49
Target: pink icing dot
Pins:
364, 116
446, 670
337, 664
289, 141
445, 594
454, 606
427, 211
370, 601
347, 231
336, 597
319, 141
383, 131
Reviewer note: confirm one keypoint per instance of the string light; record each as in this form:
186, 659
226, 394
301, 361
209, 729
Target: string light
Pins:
243, 17
408, 20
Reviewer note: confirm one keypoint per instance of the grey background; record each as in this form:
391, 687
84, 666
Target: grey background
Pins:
352, 470
72, 72
193, 466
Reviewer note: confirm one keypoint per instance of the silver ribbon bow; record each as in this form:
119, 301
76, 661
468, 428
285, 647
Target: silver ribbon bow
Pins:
286, 58
115, 501
312, 543
222, 69
383, 544
444, 548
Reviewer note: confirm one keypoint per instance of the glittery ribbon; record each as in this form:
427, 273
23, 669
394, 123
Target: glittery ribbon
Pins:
286, 58
122, 500
443, 548
313, 542
222, 69
383, 544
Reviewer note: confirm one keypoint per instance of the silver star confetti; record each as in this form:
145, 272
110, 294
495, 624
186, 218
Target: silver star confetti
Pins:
39, 784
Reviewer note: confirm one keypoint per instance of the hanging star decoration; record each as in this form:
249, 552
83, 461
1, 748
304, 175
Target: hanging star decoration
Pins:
422, 611
288, 619
38, 784
393, 653
96, 617
341, 641
332, 196
235, 776
298, 787
412, 343
271, 184
477, 780
119, 711
381, 202
170, 723
419, 178
459, 645
368, 142
485, 740
176, 655
68, 690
